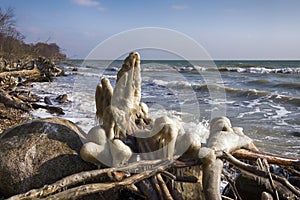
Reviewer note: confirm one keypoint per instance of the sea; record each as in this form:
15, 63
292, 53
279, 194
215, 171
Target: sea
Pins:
262, 97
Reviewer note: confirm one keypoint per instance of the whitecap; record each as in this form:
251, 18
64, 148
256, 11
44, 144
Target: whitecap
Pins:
173, 84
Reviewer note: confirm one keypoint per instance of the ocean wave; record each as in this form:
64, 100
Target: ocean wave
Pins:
286, 99
233, 91
263, 70
259, 82
91, 67
293, 85
249, 93
89, 74
173, 84
253, 70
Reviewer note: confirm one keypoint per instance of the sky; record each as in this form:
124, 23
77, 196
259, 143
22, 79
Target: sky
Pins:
227, 29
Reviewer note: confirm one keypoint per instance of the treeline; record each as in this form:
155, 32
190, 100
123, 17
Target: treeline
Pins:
12, 43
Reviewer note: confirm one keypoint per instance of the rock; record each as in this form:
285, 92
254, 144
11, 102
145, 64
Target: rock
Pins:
250, 187
47, 101
39, 152
63, 98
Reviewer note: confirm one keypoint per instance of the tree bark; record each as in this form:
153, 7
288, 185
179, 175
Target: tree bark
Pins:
272, 159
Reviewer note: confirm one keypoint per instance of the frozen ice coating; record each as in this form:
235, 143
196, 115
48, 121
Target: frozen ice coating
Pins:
100, 150
120, 152
224, 137
119, 112
96, 135
165, 132
127, 94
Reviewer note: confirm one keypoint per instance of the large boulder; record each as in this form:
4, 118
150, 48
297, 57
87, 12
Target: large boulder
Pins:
39, 152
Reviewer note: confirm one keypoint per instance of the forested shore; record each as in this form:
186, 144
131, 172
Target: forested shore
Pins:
20, 64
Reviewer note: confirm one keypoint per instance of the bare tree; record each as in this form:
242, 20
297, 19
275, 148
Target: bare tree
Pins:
10, 38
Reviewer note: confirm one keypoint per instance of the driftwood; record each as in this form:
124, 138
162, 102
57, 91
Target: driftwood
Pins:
12, 101
44, 70
86, 176
156, 168
8, 101
30, 75
51, 109
255, 171
25, 96
271, 158
98, 187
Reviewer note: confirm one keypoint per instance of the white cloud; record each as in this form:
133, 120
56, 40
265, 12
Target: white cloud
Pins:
86, 2
101, 8
90, 3
179, 7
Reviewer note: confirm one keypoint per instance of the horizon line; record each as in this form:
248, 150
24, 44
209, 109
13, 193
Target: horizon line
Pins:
155, 59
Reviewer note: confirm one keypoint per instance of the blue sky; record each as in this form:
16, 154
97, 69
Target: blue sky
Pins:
227, 29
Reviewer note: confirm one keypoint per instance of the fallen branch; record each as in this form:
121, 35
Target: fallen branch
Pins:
156, 186
148, 189
253, 170
174, 191
100, 187
30, 75
232, 185
51, 109
187, 179
272, 159
8, 101
164, 188
84, 177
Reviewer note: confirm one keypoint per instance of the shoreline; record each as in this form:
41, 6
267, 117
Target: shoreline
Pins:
17, 100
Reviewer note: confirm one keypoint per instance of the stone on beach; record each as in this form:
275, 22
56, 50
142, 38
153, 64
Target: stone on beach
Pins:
39, 152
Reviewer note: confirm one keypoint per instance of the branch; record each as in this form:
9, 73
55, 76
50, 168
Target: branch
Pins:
164, 188
253, 170
84, 177
31, 75
272, 159
100, 187
8, 101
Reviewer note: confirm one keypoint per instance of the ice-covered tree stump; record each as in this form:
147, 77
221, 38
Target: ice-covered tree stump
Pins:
123, 116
